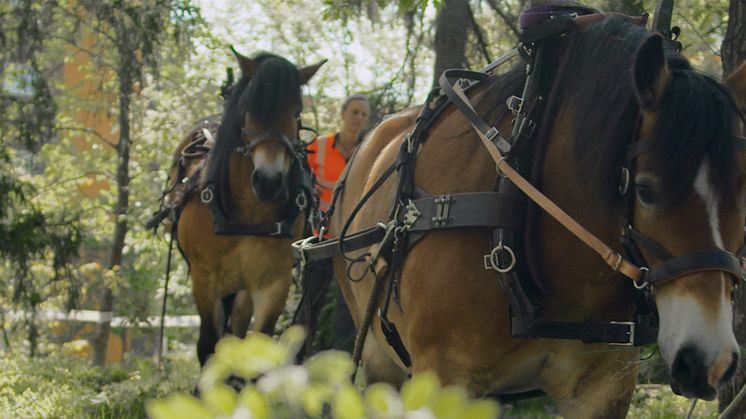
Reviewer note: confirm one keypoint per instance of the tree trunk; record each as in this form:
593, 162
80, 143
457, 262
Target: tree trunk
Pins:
450, 36
120, 223
734, 53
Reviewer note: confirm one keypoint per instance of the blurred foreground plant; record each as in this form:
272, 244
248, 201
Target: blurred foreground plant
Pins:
320, 388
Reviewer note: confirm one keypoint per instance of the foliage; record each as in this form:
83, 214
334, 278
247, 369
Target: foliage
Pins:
36, 242
62, 385
319, 388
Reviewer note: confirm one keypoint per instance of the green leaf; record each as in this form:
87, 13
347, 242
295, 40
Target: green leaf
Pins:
450, 403
332, 367
481, 409
220, 400
348, 404
179, 405
420, 390
382, 400
255, 401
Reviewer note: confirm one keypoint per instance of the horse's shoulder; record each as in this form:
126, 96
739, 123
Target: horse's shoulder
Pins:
390, 127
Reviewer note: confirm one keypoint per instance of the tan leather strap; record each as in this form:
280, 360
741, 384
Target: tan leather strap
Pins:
614, 259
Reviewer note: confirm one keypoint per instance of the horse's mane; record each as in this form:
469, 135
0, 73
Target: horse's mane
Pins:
595, 82
274, 87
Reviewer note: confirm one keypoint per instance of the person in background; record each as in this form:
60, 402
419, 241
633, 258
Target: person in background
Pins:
327, 156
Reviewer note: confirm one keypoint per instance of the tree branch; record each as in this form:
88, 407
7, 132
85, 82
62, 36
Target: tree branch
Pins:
507, 18
478, 33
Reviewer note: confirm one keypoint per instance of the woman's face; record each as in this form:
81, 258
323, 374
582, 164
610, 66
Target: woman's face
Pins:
355, 115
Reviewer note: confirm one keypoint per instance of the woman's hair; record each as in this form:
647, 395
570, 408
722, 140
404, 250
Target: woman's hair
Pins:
351, 98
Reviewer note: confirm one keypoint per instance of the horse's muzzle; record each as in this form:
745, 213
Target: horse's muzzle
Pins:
691, 377
269, 188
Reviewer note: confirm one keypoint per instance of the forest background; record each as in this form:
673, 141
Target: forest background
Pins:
96, 95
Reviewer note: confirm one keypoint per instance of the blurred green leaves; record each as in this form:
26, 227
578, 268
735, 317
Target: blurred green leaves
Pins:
320, 388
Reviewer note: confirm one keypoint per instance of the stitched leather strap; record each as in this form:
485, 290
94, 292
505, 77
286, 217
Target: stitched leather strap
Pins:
707, 260
614, 259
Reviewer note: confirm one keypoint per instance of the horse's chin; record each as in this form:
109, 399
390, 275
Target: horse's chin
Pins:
700, 390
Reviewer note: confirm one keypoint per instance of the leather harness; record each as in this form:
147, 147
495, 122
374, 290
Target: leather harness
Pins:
415, 213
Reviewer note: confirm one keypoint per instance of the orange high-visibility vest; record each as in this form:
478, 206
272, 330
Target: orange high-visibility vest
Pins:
327, 164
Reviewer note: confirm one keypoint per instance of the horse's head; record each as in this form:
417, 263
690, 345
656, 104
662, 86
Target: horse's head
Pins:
687, 206
261, 122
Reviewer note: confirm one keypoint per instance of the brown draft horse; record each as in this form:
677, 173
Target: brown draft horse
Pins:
236, 276
615, 82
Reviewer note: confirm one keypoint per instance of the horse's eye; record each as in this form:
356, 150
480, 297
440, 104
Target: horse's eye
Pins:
646, 194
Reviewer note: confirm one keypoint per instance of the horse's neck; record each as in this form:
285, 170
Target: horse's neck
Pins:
576, 275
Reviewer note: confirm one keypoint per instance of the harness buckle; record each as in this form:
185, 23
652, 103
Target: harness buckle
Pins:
278, 229
630, 334
515, 104
412, 215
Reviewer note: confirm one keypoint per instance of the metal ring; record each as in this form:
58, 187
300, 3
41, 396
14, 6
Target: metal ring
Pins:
645, 283
495, 262
301, 201
206, 195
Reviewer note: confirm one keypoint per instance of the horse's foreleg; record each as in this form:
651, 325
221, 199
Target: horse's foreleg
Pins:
210, 310
269, 303
243, 308
587, 384
379, 367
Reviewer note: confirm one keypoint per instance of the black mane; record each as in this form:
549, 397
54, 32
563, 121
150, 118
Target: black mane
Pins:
595, 83
273, 90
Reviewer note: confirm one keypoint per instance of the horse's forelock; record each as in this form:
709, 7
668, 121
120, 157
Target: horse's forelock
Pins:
274, 89
696, 122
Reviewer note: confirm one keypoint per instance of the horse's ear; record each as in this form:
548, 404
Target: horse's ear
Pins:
306, 73
651, 74
248, 66
736, 83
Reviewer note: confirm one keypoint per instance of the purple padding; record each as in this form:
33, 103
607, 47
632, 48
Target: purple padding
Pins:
537, 14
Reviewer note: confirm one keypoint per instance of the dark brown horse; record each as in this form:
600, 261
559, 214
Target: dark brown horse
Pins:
242, 271
613, 82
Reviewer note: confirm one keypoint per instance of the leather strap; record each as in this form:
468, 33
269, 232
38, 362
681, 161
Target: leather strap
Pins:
614, 259
706, 260
469, 210
615, 333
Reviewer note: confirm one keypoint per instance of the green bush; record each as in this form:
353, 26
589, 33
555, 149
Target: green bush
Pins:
319, 388
61, 385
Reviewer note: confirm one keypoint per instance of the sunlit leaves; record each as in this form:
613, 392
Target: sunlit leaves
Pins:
320, 388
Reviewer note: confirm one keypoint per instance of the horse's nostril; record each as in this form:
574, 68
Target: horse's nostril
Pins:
267, 185
688, 367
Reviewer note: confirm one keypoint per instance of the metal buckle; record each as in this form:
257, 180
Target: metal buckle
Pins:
515, 104
630, 334
412, 215
278, 229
